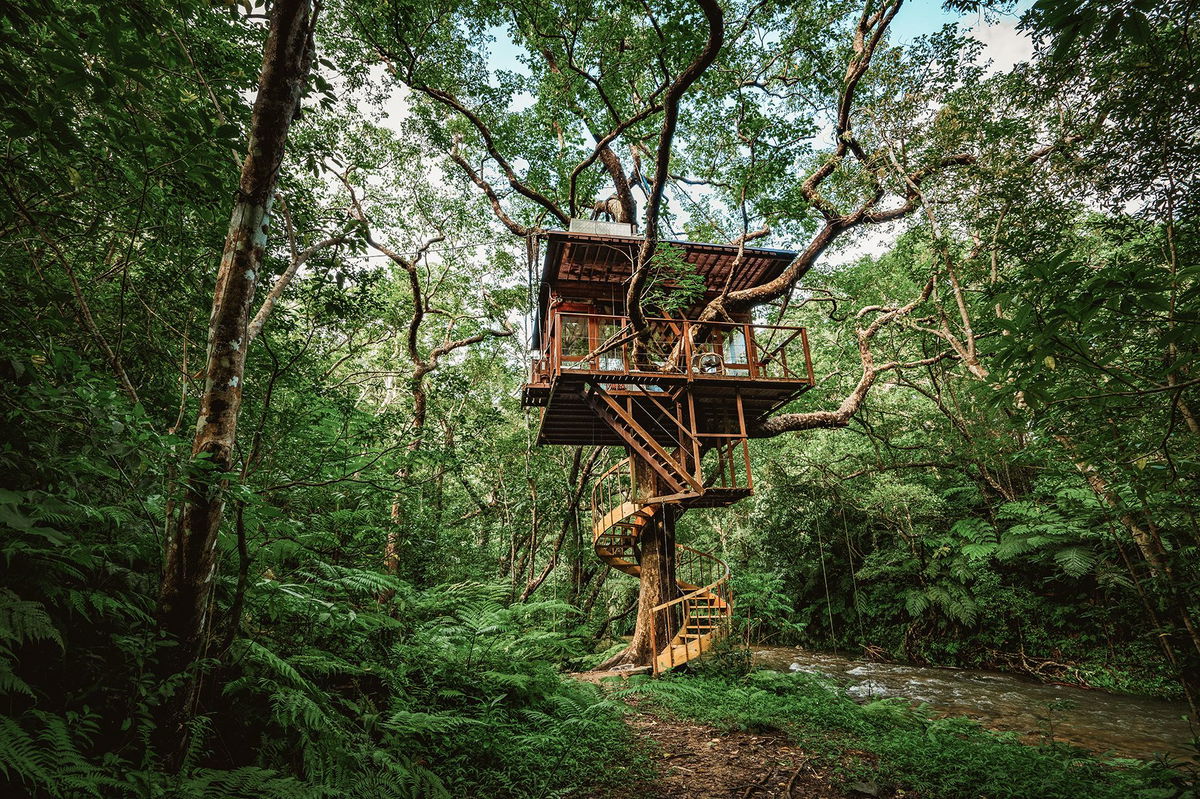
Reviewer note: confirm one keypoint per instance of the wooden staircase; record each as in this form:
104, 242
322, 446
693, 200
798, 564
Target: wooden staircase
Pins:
674, 472
701, 613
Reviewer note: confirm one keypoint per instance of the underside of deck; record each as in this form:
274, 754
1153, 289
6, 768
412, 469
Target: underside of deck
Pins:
567, 417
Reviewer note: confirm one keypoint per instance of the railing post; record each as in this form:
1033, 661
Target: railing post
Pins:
653, 645
812, 380
626, 364
696, 454
749, 473
687, 348
751, 351
556, 338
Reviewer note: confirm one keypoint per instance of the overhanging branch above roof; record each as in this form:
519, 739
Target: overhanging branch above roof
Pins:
585, 265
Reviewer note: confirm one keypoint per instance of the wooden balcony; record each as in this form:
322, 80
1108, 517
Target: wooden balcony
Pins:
678, 349
732, 373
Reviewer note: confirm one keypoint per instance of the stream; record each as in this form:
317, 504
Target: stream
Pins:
1126, 726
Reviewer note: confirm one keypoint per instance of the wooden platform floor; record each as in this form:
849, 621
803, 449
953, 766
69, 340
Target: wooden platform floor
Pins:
567, 418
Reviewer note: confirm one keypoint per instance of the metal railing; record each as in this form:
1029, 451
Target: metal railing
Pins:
603, 344
706, 609
705, 605
612, 489
723, 466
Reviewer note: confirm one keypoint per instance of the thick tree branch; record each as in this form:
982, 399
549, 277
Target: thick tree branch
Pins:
662, 159
850, 405
489, 143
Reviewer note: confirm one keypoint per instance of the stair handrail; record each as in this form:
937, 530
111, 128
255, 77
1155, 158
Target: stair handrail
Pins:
712, 589
603, 482
693, 449
704, 589
610, 494
595, 390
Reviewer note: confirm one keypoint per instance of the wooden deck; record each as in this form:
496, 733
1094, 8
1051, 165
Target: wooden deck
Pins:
568, 419
731, 375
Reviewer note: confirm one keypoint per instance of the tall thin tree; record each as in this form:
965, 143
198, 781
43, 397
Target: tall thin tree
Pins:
190, 556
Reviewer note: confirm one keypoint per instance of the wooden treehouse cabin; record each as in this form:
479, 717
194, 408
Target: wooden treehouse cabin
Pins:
681, 402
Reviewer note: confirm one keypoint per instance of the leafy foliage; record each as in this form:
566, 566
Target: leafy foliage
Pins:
1027, 502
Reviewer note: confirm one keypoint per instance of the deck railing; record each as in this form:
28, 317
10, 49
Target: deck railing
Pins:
603, 344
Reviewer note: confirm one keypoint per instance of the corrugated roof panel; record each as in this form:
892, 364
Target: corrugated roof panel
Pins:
596, 259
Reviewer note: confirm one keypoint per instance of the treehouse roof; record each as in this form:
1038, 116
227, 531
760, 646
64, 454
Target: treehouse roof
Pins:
590, 266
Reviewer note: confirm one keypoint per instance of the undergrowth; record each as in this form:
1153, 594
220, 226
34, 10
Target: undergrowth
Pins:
330, 681
902, 748
437, 693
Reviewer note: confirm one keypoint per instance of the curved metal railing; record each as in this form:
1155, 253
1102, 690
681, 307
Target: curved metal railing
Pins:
696, 618
700, 616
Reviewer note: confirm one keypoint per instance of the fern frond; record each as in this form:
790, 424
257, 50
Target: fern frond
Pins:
507, 680
20, 756
1075, 561
10, 682
248, 782
22, 621
276, 666
295, 708
411, 722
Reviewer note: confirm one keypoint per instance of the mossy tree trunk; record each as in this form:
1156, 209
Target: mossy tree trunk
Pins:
190, 556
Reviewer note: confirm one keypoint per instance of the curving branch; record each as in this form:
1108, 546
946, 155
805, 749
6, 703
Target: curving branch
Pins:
488, 191
603, 144
421, 365
297, 258
850, 405
450, 101
964, 351
662, 158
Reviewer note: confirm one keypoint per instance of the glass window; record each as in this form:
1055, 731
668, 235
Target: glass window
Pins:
573, 334
611, 360
735, 352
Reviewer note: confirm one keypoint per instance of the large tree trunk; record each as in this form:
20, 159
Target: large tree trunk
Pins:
190, 556
657, 548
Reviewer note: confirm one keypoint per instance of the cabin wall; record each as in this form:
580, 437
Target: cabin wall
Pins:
568, 299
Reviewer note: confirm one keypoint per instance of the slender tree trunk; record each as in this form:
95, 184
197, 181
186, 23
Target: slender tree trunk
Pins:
657, 548
1149, 544
190, 556
391, 546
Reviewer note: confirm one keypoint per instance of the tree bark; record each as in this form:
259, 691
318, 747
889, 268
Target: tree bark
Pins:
621, 184
190, 555
715, 18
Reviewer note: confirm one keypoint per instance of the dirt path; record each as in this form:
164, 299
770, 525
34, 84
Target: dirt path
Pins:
698, 762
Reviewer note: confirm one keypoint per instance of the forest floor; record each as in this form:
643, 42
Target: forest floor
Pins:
694, 761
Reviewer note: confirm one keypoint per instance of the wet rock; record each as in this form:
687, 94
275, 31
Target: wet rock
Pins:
868, 689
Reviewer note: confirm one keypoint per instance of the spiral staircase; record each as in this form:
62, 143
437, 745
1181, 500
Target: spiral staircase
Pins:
700, 612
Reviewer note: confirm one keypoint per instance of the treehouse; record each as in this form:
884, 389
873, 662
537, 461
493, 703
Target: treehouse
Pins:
682, 399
